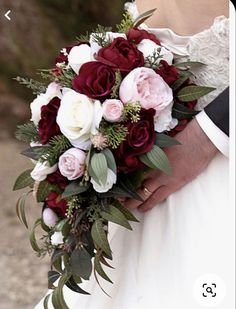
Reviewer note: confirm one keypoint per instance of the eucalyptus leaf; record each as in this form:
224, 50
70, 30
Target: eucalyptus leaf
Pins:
111, 162
183, 78
33, 152
180, 111
116, 216
99, 269
52, 278
143, 17
163, 140
72, 285
75, 188
189, 65
129, 188
81, 263
20, 208
129, 216
33, 240
43, 191
58, 297
46, 301
99, 167
191, 93
100, 237
24, 180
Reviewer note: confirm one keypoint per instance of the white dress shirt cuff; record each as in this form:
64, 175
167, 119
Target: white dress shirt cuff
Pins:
217, 137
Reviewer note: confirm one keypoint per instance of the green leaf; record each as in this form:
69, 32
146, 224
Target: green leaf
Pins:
111, 163
183, 78
75, 188
141, 18
58, 297
116, 216
52, 277
44, 189
33, 152
20, 208
81, 263
71, 284
56, 260
189, 65
99, 166
163, 140
128, 187
100, 237
180, 111
33, 240
156, 158
129, 216
191, 93
99, 269
64, 227
45, 302
24, 180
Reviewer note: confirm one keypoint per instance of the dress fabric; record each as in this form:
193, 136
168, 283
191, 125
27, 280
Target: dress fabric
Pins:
185, 237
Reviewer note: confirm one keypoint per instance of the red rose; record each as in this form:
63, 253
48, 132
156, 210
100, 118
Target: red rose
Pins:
136, 36
95, 80
140, 140
57, 204
122, 55
58, 179
168, 72
47, 124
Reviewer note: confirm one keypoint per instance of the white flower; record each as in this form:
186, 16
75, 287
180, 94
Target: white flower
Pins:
148, 47
111, 180
42, 99
109, 36
50, 218
78, 56
79, 118
57, 238
41, 170
164, 121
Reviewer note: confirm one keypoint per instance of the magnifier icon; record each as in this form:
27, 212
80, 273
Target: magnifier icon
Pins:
209, 290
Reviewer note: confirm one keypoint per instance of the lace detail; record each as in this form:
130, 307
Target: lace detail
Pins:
210, 46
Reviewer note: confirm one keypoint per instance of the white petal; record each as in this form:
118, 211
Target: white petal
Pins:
57, 238
78, 56
111, 180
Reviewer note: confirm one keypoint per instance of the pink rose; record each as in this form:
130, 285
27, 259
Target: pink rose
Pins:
144, 85
72, 163
112, 110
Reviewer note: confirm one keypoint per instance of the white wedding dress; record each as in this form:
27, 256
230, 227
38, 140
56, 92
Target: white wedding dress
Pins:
185, 237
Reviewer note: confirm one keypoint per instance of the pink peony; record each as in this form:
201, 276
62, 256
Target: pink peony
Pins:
112, 110
144, 85
72, 163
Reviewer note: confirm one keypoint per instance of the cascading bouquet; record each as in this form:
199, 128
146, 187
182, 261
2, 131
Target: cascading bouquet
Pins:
115, 100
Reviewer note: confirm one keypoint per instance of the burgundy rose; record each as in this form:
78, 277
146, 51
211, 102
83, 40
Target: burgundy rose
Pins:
58, 179
122, 55
47, 124
168, 72
95, 80
57, 203
136, 36
140, 140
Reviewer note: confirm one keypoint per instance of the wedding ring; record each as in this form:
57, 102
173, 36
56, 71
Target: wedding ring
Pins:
146, 191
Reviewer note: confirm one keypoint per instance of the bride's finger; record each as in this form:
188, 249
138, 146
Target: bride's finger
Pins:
144, 193
156, 198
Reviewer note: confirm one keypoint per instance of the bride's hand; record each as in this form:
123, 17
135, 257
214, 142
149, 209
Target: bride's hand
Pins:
188, 160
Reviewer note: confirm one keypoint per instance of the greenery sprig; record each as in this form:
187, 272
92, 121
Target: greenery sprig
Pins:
36, 86
64, 79
132, 111
27, 133
153, 60
115, 133
126, 23
116, 87
100, 36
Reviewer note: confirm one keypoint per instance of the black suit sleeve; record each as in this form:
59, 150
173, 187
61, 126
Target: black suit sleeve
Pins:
218, 111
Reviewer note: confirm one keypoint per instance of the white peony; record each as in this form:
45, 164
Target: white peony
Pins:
148, 47
79, 118
52, 91
164, 121
41, 170
111, 180
57, 238
109, 36
78, 56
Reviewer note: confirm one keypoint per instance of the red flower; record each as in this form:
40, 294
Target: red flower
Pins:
57, 204
168, 72
136, 36
58, 179
95, 80
140, 140
47, 124
122, 55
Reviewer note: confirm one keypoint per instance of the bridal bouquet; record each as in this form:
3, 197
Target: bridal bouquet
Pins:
114, 101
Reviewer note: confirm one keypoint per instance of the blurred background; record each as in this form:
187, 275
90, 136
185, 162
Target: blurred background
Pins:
31, 40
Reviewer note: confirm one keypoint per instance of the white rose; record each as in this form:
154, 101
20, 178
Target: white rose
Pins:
41, 170
109, 36
79, 118
164, 121
53, 91
50, 218
111, 180
78, 56
148, 47
57, 238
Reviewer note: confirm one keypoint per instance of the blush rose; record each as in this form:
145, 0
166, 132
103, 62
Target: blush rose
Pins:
112, 110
